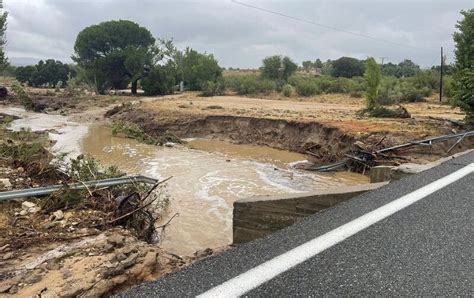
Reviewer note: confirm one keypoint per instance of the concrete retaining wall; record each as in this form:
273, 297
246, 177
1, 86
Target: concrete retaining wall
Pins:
258, 216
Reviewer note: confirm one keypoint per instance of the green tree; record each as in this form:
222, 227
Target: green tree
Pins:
114, 53
373, 77
45, 73
390, 69
3, 38
278, 68
318, 63
347, 67
407, 68
195, 68
307, 65
464, 64
160, 80
23, 74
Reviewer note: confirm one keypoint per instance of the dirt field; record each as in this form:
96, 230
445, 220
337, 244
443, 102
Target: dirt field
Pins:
336, 110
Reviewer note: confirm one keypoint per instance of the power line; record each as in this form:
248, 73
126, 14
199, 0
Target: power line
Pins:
328, 27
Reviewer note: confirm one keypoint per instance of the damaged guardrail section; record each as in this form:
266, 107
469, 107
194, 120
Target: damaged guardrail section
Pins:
41, 191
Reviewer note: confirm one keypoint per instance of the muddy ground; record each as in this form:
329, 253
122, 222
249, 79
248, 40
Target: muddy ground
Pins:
59, 246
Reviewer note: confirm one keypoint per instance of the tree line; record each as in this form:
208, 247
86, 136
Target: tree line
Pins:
121, 54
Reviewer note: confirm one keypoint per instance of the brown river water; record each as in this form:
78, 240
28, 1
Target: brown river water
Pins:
208, 175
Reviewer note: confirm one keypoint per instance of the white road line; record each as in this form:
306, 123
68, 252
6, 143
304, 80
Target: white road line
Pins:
264, 272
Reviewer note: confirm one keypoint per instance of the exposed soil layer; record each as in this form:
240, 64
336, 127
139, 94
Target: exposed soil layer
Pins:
321, 140
92, 265
329, 143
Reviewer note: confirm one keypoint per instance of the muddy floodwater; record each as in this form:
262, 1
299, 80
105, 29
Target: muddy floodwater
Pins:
208, 175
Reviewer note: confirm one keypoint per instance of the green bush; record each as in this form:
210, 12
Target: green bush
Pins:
159, 81
288, 90
210, 88
25, 99
341, 85
133, 131
305, 85
393, 90
250, 84
448, 87
426, 79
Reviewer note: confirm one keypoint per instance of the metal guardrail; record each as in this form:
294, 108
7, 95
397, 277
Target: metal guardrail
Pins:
41, 191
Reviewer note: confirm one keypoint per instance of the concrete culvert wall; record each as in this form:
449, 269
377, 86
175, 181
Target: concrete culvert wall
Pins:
257, 217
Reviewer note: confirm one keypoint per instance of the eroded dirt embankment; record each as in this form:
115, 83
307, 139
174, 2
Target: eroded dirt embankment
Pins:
325, 143
321, 142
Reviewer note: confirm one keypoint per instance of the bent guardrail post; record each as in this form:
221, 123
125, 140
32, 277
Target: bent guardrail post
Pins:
41, 191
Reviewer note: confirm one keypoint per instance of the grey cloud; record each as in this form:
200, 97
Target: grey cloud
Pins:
240, 36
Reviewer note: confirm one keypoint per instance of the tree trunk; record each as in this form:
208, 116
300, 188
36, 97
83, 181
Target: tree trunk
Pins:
134, 86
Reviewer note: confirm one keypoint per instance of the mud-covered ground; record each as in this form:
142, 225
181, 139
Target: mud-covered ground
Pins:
70, 244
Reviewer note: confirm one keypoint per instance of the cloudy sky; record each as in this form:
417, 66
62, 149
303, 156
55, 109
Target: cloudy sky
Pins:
240, 36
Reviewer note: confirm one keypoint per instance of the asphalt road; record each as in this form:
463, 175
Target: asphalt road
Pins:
426, 248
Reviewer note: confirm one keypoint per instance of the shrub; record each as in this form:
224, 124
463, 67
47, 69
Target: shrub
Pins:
133, 131
86, 168
394, 90
210, 88
383, 112
307, 88
357, 94
426, 79
448, 87
160, 81
25, 99
288, 90
341, 85
250, 84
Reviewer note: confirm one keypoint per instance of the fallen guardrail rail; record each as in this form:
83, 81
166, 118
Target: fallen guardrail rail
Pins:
364, 158
41, 191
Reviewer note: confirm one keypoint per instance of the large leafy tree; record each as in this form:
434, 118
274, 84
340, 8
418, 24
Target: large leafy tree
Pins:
278, 68
464, 64
3, 39
114, 53
195, 68
347, 67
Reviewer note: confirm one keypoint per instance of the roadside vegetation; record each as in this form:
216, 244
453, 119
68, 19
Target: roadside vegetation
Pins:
133, 131
464, 66
140, 61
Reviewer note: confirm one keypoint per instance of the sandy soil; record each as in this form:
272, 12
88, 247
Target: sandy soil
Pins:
336, 110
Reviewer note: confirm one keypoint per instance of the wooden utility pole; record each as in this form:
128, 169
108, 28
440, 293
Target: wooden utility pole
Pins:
441, 77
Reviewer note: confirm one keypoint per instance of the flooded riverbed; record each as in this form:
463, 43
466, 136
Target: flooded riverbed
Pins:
208, 175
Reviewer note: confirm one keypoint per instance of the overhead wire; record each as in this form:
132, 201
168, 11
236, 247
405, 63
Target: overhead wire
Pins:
329, 27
